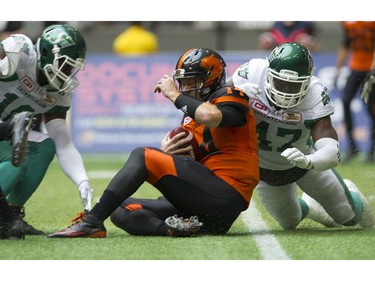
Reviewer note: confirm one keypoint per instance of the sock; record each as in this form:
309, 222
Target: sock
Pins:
304, 208
108, 203
358, 208
6, 213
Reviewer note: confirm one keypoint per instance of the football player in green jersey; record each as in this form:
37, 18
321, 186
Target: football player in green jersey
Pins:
298, 146
41, 79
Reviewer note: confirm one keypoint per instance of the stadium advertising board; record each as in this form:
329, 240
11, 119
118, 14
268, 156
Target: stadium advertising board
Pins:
115, 109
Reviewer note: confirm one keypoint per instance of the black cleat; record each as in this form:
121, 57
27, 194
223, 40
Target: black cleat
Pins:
29, 229
21, 124
83, 226
12, 230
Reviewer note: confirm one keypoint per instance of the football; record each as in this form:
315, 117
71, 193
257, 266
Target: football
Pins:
192, 141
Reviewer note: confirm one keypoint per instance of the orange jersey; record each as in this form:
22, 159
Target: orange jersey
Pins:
360, 40
230, 152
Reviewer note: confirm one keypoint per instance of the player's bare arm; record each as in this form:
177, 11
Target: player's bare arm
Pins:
323, 129
57, 115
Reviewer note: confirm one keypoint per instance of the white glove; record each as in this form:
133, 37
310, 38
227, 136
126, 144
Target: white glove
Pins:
367, 87
297, 158
85, 192
250, 89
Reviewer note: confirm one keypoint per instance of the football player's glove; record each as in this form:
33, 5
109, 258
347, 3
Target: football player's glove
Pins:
297, 158
368, 86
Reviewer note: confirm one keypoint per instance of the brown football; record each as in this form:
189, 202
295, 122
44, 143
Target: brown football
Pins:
192, 141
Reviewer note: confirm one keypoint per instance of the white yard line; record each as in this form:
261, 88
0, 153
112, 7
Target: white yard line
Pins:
267, 243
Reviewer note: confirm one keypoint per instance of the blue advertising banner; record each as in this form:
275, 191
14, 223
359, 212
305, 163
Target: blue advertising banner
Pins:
115, 109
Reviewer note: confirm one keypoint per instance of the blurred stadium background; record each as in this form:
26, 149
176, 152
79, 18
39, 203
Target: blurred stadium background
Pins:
115, 109
177, 35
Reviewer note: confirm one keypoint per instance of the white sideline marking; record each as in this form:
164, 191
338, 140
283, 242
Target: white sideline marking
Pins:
268, 245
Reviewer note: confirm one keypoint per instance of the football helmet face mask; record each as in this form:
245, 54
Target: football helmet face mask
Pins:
288, 75
61, 53
200, 71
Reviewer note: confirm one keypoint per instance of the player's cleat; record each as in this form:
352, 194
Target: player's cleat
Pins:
84, 226
12, 230
29, 229
183, 227
367, 217
317, 212
21, 125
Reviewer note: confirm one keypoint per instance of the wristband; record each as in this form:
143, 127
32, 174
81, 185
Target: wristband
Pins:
187, 104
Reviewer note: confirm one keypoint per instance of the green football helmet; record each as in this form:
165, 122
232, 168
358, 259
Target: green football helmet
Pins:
61, 52
288, 75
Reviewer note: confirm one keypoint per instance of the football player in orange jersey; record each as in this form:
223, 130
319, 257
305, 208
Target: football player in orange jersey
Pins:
215, 189
359, 44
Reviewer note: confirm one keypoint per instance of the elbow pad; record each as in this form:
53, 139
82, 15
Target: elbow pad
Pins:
326, 156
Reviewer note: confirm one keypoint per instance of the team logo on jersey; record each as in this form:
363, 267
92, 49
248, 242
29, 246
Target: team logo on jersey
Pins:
259, 106
27, 83
292, 117
187, 120
47, 99
243, 70
325, 96
29, 89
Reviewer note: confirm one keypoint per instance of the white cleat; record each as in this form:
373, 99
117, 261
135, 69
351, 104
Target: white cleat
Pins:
317, 212
367, 218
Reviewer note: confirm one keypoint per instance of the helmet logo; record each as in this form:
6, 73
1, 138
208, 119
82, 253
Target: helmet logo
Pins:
61, 38
243, 70
275, 54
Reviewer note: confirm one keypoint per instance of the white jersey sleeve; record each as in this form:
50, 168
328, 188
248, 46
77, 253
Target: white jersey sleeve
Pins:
250, 71
12, 47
